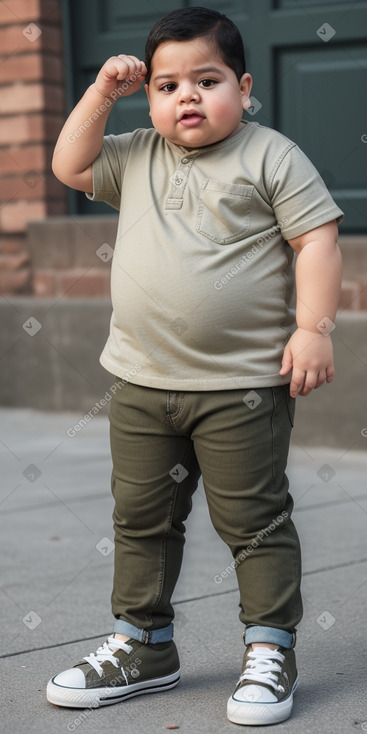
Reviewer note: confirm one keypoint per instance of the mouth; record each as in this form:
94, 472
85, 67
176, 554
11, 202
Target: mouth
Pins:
190, 118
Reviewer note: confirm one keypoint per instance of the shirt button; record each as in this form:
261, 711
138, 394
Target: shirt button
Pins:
185, 160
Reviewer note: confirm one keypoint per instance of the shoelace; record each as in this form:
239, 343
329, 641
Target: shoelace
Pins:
262, 667
106, 653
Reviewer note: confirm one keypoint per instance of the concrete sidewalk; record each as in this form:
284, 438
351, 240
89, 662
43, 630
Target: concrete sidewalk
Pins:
56, 583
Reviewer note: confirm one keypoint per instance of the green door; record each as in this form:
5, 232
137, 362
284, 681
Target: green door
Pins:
308, 59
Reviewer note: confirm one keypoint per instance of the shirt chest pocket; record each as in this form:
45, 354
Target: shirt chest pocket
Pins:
224, 211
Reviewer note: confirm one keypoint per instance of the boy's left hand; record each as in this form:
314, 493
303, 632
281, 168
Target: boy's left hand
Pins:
310, 355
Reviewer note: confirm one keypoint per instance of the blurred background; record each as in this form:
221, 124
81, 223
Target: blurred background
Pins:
308, 59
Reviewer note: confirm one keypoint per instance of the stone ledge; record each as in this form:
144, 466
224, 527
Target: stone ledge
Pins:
52, 363
69, 243
58, 367
47, 237
72, 283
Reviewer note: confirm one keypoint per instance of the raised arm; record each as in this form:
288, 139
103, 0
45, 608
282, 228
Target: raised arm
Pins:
81, 138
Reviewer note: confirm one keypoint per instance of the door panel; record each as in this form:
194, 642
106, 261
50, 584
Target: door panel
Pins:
321, 87
308, 59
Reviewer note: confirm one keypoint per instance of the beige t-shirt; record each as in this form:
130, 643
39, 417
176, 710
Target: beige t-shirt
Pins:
202, 279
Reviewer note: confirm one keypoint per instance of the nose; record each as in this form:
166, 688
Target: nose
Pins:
188, 92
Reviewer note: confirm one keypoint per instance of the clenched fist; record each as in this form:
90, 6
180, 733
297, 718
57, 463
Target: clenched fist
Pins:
120, 76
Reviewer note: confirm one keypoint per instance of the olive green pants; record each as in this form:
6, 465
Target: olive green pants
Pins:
238, 440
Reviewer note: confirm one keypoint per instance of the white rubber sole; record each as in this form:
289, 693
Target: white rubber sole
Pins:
95, 697
258, 714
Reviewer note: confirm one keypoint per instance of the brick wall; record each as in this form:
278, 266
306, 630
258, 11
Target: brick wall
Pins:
32, 111
67, 262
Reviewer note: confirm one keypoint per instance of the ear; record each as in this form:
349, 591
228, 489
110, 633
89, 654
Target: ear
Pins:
245, 87
146, 87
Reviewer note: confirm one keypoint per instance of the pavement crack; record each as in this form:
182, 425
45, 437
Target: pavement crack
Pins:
337, 565
175, 603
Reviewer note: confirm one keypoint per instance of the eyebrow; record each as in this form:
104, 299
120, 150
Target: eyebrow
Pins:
202, 70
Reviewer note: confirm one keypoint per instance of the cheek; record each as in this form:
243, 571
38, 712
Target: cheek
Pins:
160, 113
226, 109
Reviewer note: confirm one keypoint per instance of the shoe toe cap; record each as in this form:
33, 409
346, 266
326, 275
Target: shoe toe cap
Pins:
73, 678
255, 694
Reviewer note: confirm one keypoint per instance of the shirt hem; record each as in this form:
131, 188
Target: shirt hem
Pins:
171, 383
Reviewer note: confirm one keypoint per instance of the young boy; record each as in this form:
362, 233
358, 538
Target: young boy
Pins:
212, 209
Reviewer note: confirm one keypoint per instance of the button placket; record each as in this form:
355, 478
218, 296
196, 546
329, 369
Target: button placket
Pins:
179, 181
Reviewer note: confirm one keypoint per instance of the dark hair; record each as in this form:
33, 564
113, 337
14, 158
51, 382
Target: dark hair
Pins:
188, 23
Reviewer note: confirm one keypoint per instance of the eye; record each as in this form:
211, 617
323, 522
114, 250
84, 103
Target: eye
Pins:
207, 83
169, 87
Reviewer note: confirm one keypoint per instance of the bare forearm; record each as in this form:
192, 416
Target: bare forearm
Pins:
309, 351
81, 138
318, 281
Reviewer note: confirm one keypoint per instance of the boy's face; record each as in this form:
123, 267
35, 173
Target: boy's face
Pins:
195, 98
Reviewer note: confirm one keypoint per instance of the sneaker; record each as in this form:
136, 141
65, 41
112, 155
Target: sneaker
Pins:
116, 671
264, 692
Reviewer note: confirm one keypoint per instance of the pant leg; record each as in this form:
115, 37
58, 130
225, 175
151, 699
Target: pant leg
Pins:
242, 453
151, 505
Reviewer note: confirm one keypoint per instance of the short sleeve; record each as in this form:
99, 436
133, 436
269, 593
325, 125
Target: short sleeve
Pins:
300, 199
108, 169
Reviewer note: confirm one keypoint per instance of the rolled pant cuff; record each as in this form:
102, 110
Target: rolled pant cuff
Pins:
273, 635
165, 634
